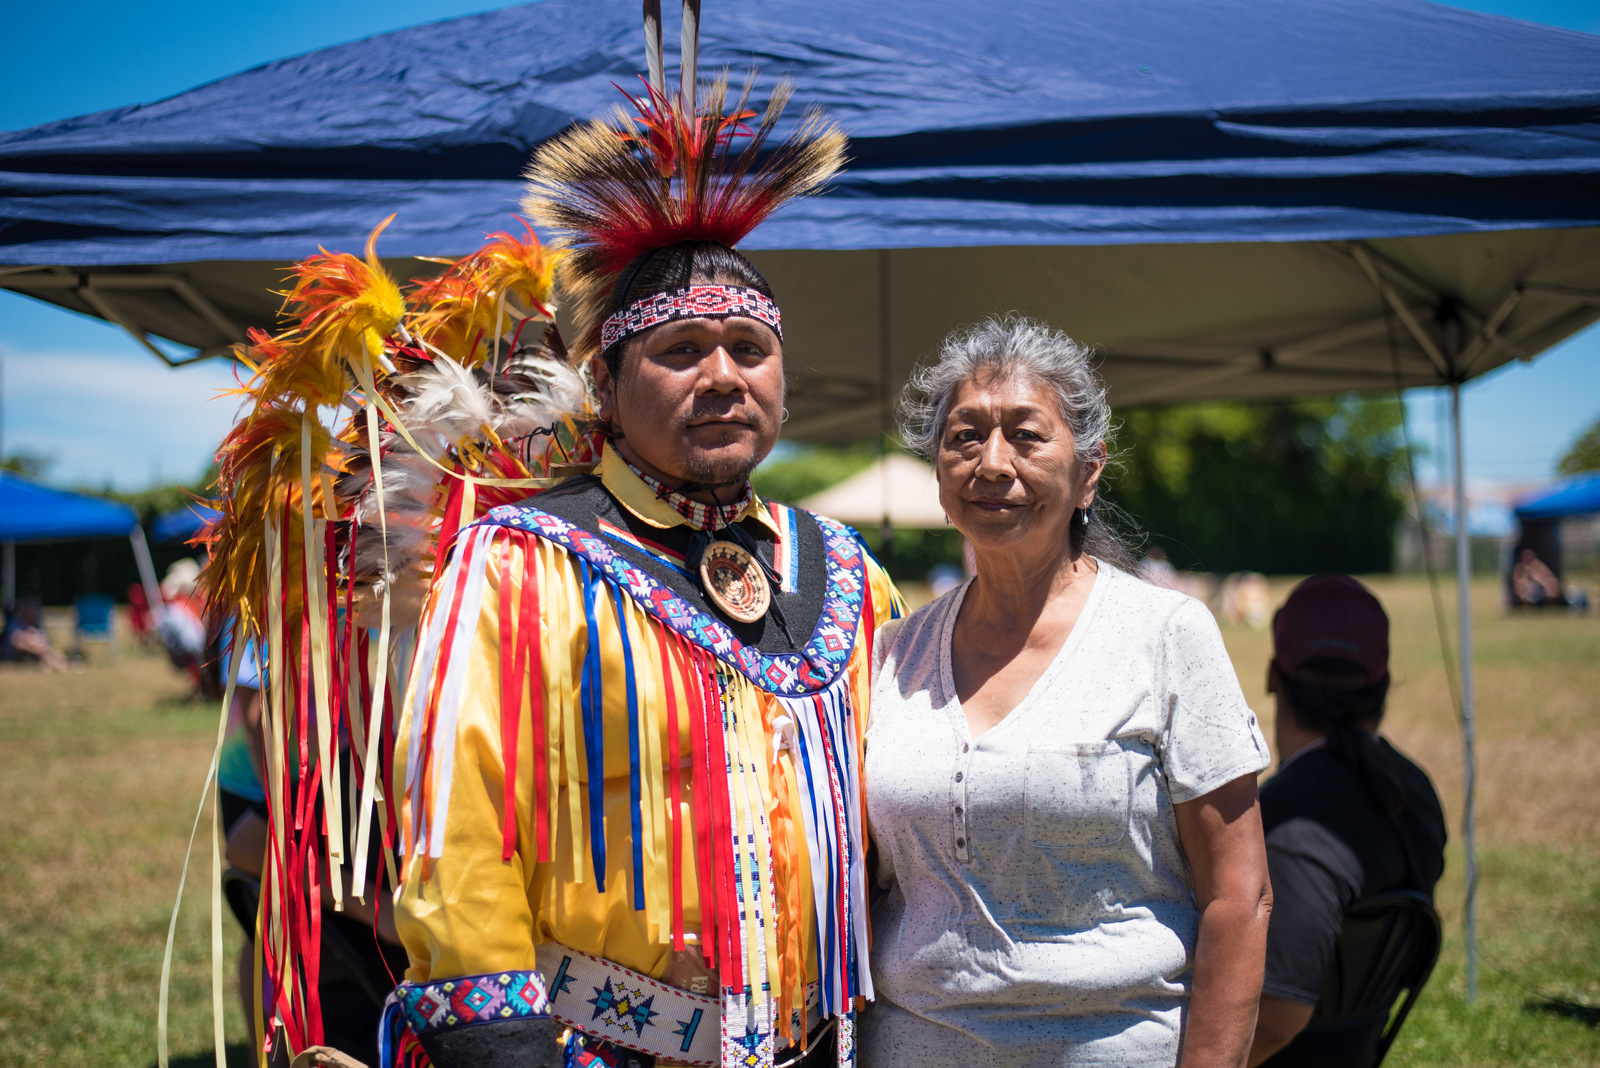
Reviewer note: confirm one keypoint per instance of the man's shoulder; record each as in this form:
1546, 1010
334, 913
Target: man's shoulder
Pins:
826, 522
1417, 780
581, 500
579, 488
1311, 784
822, 520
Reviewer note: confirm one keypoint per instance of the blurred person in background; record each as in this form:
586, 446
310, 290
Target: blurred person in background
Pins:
242, 809
1533, 582
1061, 768
24, 638
1346, 816
361, 952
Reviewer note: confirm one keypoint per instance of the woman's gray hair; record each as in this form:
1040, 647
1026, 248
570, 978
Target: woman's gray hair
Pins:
1012, 347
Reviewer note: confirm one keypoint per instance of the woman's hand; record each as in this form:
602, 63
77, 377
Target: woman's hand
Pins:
1221, 835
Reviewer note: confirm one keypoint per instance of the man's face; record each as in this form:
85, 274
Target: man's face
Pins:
697, 400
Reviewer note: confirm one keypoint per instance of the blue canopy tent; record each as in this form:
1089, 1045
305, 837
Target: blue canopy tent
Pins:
1575, 496
31, 512
184, 523
1540, 519
1232, 198
1214, 192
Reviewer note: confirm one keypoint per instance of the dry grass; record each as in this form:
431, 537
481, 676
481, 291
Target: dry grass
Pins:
102, 772
1537, 700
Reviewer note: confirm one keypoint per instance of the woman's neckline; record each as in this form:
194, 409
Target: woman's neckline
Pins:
1102, 577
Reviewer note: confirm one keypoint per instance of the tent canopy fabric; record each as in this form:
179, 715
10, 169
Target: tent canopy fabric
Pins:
895, 486
182, 524
1024, 122
1231, 198
1579, 495
31, 512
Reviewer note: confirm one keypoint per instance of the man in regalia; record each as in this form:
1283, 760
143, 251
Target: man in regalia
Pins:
629, 754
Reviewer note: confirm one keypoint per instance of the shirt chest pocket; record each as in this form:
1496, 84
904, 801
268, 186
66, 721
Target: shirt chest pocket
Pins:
1077, 795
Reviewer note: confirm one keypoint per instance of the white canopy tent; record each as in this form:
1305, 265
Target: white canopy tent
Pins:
895, 489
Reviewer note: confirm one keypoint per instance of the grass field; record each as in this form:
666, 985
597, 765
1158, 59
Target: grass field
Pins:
102, 774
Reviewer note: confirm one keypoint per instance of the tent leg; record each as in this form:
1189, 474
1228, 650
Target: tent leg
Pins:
1464, 605
147, 574
885, 406
8, 576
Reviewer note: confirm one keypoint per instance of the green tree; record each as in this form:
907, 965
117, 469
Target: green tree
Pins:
798, 471
26, 463
1584, 454
1284, 487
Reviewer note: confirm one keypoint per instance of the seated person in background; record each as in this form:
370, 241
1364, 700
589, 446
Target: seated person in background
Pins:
24, 637
1346, 816
1532, 581
139, 620
242, 803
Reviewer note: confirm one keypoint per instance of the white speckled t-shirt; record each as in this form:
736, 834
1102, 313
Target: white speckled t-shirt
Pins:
1039, 907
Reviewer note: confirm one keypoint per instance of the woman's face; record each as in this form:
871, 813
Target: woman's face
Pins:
1009, 477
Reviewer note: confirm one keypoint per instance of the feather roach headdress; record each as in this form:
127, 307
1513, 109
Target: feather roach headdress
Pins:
673, 172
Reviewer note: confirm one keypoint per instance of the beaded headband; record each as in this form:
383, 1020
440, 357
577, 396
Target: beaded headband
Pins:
694, 302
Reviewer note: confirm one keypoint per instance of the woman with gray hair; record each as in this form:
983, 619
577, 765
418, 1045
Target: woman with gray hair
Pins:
1060, 765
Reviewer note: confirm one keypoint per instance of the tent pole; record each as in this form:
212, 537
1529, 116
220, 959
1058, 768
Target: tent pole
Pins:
147, 573
8, 576
1464, 604
885, 370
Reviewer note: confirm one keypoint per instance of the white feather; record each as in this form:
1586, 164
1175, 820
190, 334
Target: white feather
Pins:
447, 405
448, 398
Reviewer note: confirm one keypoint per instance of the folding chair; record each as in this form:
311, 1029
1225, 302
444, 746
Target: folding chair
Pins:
97, 622
1386, 951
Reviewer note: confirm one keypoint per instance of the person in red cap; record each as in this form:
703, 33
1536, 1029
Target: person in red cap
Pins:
1346, 816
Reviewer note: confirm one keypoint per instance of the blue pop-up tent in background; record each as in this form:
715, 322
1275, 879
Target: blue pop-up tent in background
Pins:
1576, 496
31, 512
1231, 198
184, 523
1542, 513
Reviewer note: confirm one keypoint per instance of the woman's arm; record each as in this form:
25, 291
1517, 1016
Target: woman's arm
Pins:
1221, 835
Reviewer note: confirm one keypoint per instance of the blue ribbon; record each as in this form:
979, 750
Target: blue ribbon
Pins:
590, 701
635, 801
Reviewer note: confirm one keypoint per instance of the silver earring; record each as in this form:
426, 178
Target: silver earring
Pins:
785, 418
1084, 513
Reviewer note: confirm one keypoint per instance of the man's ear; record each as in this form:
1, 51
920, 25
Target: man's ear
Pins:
1274, 680
605, 388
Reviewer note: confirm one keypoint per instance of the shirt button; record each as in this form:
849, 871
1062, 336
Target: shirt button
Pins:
964, 747
961, 843
958, 776
958, 810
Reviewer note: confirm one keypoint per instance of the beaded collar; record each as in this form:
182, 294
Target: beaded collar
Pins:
700, 516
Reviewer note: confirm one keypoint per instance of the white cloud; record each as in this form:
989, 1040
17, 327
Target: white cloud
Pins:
122, 418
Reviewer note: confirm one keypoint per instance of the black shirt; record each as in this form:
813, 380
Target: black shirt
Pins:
1328, 845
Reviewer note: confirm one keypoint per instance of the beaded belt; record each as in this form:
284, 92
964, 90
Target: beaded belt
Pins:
606, 1000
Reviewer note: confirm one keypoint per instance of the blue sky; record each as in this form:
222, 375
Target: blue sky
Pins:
79, 391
